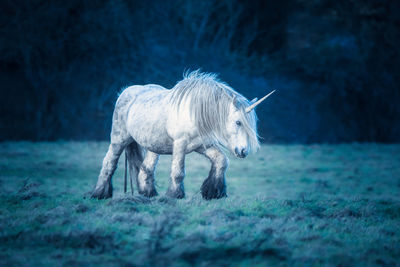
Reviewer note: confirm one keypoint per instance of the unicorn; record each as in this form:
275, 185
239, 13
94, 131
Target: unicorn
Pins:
200, 113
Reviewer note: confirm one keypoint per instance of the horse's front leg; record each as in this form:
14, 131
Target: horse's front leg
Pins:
176, 188
214, 186
146, 175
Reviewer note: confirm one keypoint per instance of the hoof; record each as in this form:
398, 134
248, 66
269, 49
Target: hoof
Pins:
213, 189
176, 192
152, 192
103, 192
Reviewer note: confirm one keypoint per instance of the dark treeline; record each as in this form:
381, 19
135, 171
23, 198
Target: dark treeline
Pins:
335, 64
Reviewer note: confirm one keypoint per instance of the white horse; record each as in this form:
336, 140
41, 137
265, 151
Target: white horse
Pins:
199, 113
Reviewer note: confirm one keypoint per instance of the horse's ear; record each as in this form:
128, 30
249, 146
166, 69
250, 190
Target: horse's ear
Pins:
253, 101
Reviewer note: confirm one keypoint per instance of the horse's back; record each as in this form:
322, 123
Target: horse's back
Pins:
139, 93
155, 86
142, 89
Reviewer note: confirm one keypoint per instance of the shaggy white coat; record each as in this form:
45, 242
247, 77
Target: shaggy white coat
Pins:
199, 113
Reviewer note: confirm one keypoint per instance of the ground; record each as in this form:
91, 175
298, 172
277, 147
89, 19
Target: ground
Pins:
286, 205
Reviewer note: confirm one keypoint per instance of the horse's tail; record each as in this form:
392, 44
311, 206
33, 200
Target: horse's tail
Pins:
133, 160
126, 172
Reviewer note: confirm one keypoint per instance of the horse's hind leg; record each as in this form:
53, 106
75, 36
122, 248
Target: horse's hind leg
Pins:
146, 175
103, 187
119, 140
214, 186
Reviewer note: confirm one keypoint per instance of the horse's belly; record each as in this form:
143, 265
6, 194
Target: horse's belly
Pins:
157, 143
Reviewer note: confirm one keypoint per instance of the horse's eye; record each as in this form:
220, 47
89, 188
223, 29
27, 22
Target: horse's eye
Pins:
238, 123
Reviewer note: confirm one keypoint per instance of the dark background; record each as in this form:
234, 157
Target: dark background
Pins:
335, 64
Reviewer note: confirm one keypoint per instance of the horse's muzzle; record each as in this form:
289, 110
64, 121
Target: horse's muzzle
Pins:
240, 154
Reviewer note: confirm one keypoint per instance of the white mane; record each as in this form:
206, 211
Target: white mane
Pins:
209, 101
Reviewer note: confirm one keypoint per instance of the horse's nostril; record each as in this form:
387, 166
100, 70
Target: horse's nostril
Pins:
243, 153
236, 151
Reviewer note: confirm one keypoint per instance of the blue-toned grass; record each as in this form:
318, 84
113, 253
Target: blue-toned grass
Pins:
287, 204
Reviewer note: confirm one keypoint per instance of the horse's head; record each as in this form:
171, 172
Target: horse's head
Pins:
241, 127
221, 115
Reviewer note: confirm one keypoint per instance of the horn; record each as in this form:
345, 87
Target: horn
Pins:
252, 106
254, 100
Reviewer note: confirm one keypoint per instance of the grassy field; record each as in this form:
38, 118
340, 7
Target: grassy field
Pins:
287, 205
